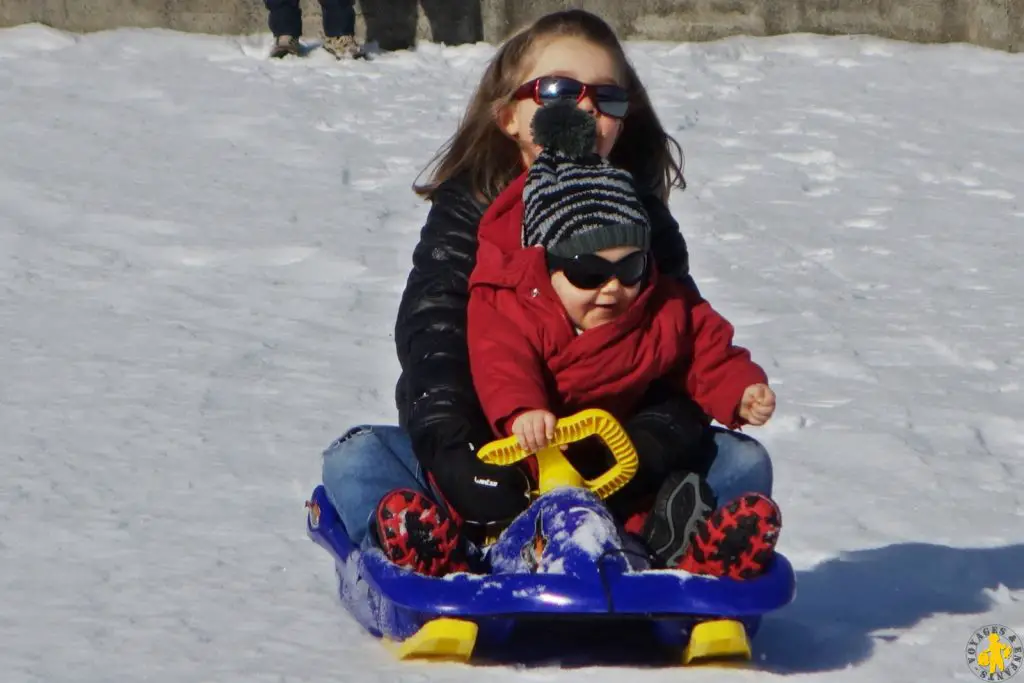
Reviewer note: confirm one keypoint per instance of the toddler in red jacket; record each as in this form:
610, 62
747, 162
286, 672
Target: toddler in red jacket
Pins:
580, 318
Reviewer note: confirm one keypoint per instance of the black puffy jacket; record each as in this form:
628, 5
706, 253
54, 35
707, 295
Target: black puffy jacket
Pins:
437, 403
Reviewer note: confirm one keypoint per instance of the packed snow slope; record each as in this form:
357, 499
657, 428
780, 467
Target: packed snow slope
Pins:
201, 255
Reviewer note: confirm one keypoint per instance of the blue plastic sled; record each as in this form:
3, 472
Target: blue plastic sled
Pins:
563, 560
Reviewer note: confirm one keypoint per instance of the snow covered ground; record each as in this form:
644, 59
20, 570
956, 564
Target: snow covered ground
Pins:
201, 254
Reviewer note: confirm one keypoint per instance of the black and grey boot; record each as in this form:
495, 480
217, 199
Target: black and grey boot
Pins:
683, 504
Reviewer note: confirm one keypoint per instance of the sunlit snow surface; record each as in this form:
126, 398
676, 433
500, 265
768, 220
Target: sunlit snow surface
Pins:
201, 255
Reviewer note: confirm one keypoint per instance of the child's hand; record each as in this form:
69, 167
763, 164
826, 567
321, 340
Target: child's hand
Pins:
534, 429
757, 404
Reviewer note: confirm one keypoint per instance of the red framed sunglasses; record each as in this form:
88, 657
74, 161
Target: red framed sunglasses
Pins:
610, 100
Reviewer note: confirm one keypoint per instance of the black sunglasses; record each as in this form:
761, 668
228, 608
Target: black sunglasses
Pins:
610, 100
588, 271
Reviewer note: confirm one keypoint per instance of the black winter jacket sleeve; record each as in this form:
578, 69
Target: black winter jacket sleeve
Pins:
437, 403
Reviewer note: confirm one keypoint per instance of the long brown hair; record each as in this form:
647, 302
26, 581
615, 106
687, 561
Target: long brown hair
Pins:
491, 159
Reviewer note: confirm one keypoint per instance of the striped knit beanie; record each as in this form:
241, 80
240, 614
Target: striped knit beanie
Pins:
575, 202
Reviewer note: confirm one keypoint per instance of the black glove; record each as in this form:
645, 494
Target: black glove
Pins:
669, 434
482, 494
667, 437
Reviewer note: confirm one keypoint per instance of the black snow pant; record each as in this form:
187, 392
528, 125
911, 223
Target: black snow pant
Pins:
286, 18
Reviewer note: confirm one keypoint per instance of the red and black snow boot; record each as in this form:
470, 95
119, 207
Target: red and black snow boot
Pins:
737, 540
417, 533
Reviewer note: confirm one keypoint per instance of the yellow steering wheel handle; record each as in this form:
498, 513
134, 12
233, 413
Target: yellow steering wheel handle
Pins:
555, 469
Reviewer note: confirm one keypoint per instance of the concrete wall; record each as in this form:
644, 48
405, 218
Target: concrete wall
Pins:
398, 23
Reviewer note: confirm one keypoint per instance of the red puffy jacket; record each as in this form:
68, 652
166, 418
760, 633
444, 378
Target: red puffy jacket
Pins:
525, 353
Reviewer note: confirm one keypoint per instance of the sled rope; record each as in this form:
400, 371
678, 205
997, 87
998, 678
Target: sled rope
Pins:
605, 586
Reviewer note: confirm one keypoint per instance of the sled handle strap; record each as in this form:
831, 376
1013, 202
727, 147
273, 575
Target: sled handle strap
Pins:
556, 470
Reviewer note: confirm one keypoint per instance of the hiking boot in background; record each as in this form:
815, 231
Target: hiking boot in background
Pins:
284, 46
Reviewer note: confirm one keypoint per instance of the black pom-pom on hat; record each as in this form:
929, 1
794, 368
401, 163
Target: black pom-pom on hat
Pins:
575, 202
563, 128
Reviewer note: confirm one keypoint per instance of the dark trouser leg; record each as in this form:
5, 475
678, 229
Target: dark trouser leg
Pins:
339, 17
454, 22
285, 17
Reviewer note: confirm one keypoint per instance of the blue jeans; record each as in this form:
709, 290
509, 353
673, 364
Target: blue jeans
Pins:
369, 461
